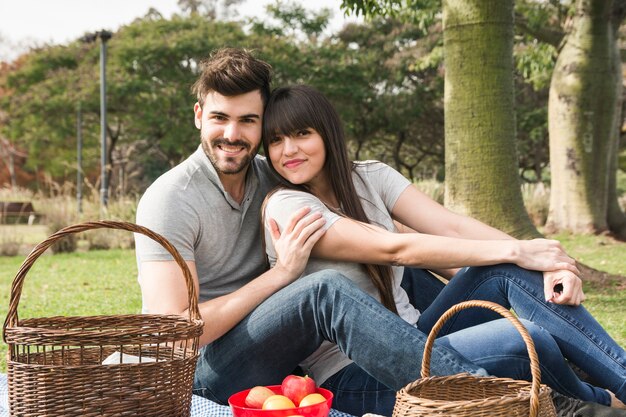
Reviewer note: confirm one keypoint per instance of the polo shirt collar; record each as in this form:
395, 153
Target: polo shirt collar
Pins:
251, 182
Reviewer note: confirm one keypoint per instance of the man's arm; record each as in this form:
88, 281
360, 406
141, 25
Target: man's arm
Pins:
164, 292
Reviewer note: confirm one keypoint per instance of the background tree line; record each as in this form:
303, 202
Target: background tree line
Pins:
386, 78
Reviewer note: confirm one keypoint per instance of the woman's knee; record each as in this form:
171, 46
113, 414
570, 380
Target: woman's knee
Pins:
544, 343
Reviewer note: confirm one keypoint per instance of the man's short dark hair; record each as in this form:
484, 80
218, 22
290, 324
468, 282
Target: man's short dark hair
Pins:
231, 72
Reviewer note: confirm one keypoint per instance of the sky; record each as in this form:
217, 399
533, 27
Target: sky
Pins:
27, 22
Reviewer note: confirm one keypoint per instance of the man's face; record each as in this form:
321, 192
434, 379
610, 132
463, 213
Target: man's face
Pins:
230, 130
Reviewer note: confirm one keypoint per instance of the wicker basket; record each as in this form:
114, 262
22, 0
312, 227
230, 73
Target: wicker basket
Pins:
464, 395
55, 363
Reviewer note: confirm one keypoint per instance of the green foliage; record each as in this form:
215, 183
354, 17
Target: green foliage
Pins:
422, 13
532, 133
293, 19
385, 77
535, 62
600, 252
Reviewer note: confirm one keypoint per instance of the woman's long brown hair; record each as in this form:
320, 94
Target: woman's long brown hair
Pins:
290, 109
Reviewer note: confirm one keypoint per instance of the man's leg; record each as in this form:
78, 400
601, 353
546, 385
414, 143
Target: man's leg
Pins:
581, 339
270, 342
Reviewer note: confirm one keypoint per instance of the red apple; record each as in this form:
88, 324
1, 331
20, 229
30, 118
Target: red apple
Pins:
257, 396
297, 387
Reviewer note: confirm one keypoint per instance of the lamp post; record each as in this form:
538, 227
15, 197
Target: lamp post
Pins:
104, 36
79, 159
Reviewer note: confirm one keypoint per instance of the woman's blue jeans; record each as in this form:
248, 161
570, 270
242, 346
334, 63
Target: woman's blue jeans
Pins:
491, 342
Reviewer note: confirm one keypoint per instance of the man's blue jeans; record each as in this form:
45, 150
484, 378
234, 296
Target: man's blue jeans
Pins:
491, 342
291, 324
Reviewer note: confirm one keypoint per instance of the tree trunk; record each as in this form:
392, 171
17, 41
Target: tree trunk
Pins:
616, 218
581, 113
481, 156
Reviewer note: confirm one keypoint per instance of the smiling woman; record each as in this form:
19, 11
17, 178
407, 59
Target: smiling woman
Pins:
362, 202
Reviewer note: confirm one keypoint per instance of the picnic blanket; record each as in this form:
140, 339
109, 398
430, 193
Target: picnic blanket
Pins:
200, 407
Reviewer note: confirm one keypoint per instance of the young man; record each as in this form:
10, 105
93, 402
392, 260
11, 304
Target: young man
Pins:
257, 327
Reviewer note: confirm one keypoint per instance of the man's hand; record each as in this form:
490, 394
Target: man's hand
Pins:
293, 246
569, 289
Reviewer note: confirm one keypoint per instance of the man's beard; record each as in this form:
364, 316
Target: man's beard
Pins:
228, 170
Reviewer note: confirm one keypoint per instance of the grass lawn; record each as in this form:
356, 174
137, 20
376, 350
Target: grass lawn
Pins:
104, 282
87, 283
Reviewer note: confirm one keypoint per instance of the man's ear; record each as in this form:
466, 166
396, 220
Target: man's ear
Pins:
197, 113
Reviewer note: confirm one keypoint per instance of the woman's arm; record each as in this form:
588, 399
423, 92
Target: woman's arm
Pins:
418, 211
353, 241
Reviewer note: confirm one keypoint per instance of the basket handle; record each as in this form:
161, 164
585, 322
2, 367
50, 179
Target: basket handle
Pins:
530, 346
16, 288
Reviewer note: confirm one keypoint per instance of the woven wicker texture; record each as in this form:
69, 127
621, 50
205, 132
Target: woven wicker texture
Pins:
55, 363
464, 395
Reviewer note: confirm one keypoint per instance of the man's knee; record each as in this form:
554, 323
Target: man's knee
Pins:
327, 280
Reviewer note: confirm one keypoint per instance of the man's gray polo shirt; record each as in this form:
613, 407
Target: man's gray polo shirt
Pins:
189, 207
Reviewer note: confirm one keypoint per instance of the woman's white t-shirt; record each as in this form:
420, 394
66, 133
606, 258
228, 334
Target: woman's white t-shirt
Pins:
378, 187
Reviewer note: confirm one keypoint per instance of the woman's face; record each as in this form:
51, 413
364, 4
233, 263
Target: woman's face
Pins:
299, 158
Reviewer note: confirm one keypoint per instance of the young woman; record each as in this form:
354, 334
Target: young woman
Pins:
364, 201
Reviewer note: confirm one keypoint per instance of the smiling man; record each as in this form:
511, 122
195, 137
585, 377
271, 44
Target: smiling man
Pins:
208, 206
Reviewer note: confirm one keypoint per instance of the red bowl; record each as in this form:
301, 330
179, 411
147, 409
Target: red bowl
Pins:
238, 406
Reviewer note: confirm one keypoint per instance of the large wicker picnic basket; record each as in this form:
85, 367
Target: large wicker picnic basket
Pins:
465, 395
55, 364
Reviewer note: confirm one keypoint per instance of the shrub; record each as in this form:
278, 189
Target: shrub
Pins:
432, 188
537, 202
10, 242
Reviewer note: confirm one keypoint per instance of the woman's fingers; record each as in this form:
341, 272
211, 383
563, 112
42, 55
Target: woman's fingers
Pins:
570, 290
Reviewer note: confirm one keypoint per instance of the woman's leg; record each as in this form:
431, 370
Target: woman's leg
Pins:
356, 392
579, 336
498, 347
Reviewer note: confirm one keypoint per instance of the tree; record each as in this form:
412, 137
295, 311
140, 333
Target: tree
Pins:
481, 158
481, 161
585, 119
584, 36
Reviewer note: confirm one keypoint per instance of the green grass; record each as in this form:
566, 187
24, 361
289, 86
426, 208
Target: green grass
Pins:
600, 252
104, 282
88, 283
